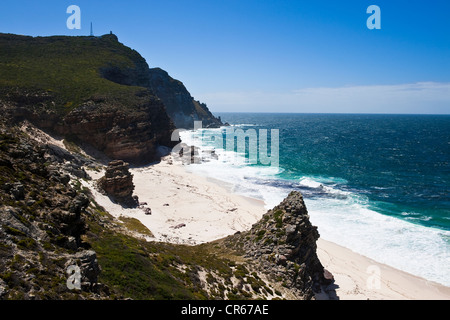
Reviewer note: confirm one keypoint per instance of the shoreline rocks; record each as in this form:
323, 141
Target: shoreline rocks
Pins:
283, 243
118, 184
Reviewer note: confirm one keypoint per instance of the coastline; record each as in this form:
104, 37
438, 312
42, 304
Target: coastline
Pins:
361, 278
192, 209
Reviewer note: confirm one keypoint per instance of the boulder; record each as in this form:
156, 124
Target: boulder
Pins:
118, 184
89, 268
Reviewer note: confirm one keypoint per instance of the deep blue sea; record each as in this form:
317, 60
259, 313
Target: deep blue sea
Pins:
376, 184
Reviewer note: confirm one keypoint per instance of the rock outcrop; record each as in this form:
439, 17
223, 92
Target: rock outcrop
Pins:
42, 223
89, 269
96, 91
182, 108
93, 90
283, 245
131, 135
118, 184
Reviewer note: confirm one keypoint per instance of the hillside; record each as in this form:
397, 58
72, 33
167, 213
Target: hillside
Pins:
49, 222
92, 90
69, 104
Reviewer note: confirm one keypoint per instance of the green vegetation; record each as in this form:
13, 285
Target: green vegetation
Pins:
138, 269
72, 145
135, 225
67, 70
260, 235
278, 216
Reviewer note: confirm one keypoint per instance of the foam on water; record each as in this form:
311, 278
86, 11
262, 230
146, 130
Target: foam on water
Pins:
342, 216
406, 246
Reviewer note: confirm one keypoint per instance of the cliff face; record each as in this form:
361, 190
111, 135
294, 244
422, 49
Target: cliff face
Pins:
96, 91
180, 105
130, 135
283, 245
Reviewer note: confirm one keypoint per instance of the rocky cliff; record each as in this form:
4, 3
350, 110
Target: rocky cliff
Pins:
283, 245
97, 92
91, 89
182, 108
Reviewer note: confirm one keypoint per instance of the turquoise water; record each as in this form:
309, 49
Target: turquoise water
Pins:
377, 184
401, 163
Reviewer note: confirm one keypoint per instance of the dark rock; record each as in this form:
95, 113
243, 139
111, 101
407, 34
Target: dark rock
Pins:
181, 107
11, 217
283, 243
328, 277
18, 191
189, 154
178, 226
79, 203
3, 288
75, 170
90, 270
118, 184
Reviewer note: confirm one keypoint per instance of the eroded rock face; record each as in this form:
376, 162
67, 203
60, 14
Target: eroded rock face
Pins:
118, 184
283, 243
42, 223
129, 135
182, 108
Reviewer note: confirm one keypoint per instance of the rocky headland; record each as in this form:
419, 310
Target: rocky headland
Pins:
97, 92
73, 107
283, 246
182, 108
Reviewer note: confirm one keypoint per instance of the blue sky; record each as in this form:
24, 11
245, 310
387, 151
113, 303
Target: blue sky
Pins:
269, 56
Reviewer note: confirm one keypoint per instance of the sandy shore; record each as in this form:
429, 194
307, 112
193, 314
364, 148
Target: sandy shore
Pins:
359, 278
186, 208
191, 209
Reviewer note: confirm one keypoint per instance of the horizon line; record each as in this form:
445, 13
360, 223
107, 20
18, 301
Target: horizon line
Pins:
339, 113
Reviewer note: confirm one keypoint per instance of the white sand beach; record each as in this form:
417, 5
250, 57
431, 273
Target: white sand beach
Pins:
360, 278
191, 209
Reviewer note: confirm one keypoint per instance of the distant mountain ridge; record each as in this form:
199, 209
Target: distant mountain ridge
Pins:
95, 91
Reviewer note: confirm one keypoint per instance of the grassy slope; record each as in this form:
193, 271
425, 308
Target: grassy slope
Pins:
66, 67
138, 269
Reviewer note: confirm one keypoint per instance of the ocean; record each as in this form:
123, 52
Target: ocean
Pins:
376, 184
